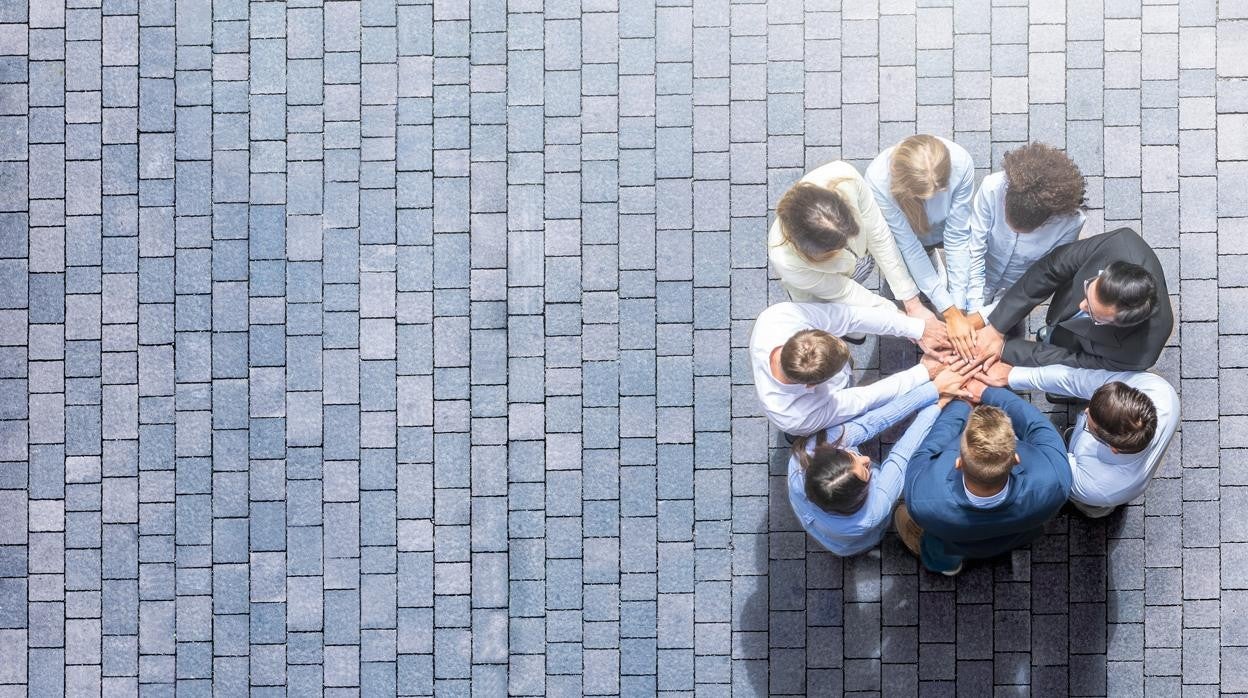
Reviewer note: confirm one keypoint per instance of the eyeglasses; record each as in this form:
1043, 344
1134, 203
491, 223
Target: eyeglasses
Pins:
1087, 295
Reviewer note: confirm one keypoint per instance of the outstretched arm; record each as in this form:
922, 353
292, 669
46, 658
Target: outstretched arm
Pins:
1024, 352
1063, 380
867, 425
841, 319
947, 428
1049, 273
886, 483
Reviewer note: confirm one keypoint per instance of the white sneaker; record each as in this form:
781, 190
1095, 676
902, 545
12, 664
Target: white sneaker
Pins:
953, 572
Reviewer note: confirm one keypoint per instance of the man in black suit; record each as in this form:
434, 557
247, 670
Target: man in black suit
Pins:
1110, 308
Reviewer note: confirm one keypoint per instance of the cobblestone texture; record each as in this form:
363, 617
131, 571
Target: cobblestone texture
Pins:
272, 419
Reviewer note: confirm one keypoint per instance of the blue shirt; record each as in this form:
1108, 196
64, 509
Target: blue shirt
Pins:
862, 530
948, 217
994, 256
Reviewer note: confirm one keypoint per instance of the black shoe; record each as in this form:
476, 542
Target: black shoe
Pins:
858, 339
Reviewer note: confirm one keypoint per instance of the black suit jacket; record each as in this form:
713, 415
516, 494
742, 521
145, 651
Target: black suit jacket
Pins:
1079, 341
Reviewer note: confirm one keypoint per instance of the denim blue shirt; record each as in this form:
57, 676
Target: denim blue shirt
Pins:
948, 214
862, 530
995, 256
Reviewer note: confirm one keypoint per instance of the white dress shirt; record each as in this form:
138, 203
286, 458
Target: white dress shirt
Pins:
1103, 478
994, 256
948, 216
800, 409
832, 280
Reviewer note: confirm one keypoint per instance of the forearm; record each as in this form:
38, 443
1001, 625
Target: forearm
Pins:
851, 402
1023, 352
866, 426
1063, 380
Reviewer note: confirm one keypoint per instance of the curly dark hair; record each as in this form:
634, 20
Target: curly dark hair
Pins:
1042, 181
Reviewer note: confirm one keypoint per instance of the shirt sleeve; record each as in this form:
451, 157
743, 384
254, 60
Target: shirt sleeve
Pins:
887, 481
841, 319
882, 246
848, 403
947, 427
1063, 380
832, 287
911, 249
965, 249
1024, 352
866, 426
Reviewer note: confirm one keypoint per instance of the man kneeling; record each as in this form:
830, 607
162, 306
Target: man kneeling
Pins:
983, 482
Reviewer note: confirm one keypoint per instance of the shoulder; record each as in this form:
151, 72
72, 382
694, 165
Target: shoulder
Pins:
993, 183
1153, 385
783, 314
837, 169
959, 157
877, 173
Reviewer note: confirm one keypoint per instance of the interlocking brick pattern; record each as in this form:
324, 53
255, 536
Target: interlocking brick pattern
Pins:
375, 346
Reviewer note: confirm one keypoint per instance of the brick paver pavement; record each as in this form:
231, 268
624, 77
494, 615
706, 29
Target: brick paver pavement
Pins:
254, 365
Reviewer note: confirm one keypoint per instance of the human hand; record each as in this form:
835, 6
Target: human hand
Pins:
950, 381
989, 344
961, 332
996, 375
933, 364
975, 388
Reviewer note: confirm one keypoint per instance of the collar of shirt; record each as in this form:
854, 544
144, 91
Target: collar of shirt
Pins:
986, 502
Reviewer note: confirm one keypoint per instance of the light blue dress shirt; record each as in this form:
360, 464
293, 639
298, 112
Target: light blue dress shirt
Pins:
948, 214
862, 530
994, 256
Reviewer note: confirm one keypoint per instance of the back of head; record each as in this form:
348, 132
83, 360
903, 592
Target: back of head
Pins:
816, 220
1130, 289
1042, 182
831, 483
918, 169
988, 447
1123, 417
812, 356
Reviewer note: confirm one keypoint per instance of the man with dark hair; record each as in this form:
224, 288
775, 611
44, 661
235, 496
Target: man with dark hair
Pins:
1118, 442
1109, 309
983, 482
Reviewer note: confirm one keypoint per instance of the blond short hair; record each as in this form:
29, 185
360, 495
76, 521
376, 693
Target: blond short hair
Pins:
988, 446
812, 356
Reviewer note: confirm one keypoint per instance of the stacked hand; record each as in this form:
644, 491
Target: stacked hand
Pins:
997, 375
952, 381
988, 345
961, 331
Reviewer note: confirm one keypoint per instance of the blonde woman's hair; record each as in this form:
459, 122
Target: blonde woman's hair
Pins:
988, 446
812, 356
919, 167
816, 220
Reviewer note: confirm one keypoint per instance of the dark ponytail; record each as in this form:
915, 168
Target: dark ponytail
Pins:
831, 483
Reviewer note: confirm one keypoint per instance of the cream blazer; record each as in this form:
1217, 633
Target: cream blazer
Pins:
832, 280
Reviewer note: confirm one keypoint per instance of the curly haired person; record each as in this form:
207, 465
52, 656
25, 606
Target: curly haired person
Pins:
1019, 215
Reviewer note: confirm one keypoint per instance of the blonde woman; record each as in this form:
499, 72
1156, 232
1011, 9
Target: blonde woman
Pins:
827, 237
924, 186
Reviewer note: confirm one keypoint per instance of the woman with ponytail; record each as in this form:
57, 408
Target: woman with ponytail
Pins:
924, 186
842, 500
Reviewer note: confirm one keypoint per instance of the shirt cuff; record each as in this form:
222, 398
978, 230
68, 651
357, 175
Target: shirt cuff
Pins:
913, 327
1024, 377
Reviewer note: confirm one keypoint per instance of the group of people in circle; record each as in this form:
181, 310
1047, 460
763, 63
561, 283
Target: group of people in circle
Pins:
980, 469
